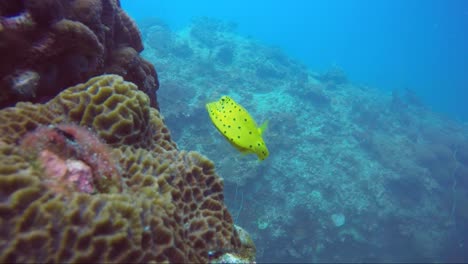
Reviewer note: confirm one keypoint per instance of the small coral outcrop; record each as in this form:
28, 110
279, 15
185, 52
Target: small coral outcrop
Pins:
49, 45
93, 176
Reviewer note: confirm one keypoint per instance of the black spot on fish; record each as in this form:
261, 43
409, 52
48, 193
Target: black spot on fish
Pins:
224, 131
238, 136
258, 144
250, 132
230, 111
245, 119
233, 119
229, 126
239, 127
222, 99
250, 146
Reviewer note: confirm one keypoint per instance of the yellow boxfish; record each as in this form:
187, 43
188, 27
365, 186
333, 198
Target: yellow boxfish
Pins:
238, 127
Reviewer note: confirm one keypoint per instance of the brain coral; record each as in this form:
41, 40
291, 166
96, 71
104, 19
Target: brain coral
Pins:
169, 204
48, 45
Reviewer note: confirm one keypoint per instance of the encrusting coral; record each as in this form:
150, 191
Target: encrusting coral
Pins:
93, 176
48, 45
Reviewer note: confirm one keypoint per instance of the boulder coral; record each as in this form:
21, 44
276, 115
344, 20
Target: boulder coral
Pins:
48, 45
166, 205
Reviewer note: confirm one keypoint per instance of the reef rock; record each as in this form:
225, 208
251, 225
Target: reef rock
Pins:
48, 45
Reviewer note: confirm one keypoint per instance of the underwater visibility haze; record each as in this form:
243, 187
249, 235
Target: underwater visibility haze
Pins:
390, 45
366, 102
303, 131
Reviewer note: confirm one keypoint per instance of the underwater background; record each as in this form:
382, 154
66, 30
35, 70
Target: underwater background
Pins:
366, 103
390, 45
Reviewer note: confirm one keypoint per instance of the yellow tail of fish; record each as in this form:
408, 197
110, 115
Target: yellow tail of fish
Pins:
263, 127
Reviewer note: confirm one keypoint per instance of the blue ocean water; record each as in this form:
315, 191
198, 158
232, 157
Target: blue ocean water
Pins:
366, 107
419, 45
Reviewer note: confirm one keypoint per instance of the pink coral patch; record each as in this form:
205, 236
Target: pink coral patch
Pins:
80, 174
73, 159
53, 165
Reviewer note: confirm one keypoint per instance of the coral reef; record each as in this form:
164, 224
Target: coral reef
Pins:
93, 176
393, 173
333, 77
49, 45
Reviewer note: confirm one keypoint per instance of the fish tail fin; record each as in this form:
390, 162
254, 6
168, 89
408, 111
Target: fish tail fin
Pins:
263, 127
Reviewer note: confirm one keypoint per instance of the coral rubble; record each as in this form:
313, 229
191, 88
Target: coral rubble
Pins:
93, 176
49, 45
